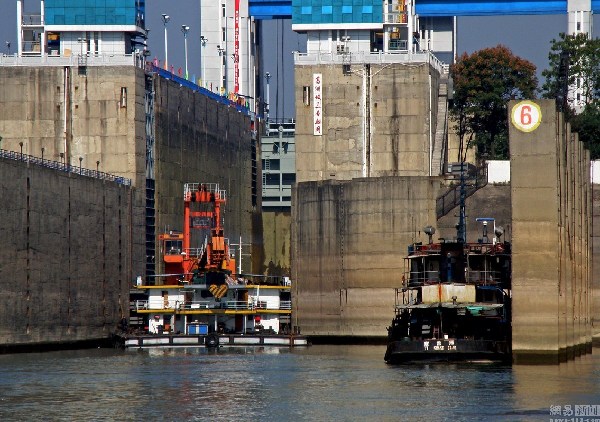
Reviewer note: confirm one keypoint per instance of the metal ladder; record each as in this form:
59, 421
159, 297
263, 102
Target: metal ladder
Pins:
264, 175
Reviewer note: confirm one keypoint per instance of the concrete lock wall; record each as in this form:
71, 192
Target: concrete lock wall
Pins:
92, 113
66, 259
277, 243
595, 282
490, 201
201, 141
551, 260
376, 121
349, 239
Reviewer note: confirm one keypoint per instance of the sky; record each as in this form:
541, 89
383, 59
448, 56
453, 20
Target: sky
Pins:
527, 36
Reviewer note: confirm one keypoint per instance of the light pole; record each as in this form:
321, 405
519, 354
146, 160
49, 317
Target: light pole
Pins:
267, 77
166, 19
221, 51
185, 29
203, 41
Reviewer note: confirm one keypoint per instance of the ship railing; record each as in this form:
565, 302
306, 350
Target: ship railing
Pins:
197, 304
237, 304
188, 188
141, 304
422, 277
195, 252
252, 304
484, 277
17, 156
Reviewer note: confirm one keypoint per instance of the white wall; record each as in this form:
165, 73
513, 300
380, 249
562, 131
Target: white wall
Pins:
499, 171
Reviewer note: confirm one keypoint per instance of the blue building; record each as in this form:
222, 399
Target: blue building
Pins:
82, 27
372, 26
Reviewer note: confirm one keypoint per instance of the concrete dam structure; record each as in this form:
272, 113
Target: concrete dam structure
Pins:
551, 197
155, 129
334, 228
364, 192
66, 259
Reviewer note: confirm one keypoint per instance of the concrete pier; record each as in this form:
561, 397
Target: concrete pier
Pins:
551, 227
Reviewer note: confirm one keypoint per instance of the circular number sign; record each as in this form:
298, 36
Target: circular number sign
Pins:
526, 116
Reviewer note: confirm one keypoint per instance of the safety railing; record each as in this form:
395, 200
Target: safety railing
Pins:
451, 199
17, 156
252, 305
151, 67
188, 188
420, 278
363, 57
396, 17
32, 20
135, 59
478, 277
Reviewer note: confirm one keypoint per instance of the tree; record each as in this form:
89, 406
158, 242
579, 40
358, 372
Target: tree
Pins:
483, 83
574, 61
587, 125
573, 58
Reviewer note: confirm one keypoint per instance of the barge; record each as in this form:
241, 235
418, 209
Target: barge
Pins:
201, 299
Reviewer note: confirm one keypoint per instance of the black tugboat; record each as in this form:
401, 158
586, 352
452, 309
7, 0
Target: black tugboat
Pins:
454, 304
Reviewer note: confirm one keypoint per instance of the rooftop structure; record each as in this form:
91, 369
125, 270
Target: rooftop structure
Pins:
84, 28
372, 26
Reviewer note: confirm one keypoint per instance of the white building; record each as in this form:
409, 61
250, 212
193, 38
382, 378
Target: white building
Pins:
228, 48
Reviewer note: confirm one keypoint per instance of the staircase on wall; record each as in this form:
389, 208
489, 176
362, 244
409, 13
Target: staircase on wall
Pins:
438, 155
475, 179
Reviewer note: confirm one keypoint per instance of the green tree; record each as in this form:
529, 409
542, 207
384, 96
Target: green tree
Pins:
574, 61
587, 125
483, 83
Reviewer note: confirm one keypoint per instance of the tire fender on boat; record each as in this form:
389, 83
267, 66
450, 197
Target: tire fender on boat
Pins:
211, 340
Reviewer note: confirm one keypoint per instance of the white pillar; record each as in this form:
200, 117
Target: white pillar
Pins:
43, 34
19, 27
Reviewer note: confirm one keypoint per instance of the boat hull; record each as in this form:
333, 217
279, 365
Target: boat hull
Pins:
447, 350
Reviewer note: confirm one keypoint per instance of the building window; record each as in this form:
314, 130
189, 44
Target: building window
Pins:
288, 178
272, 179
367, 9
306, 95
223, 10
273, 164
123, 99
326, 10
346, 9
306, 10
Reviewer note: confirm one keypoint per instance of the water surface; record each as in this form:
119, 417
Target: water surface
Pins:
318, 383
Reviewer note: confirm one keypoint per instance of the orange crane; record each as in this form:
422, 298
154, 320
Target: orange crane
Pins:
209, 262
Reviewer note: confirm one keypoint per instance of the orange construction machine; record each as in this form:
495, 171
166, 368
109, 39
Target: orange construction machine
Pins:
208, 261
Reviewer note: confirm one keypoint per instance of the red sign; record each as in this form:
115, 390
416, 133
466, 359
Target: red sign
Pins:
236, 47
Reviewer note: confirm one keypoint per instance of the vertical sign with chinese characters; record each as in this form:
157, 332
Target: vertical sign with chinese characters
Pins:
318, 104
236, 48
